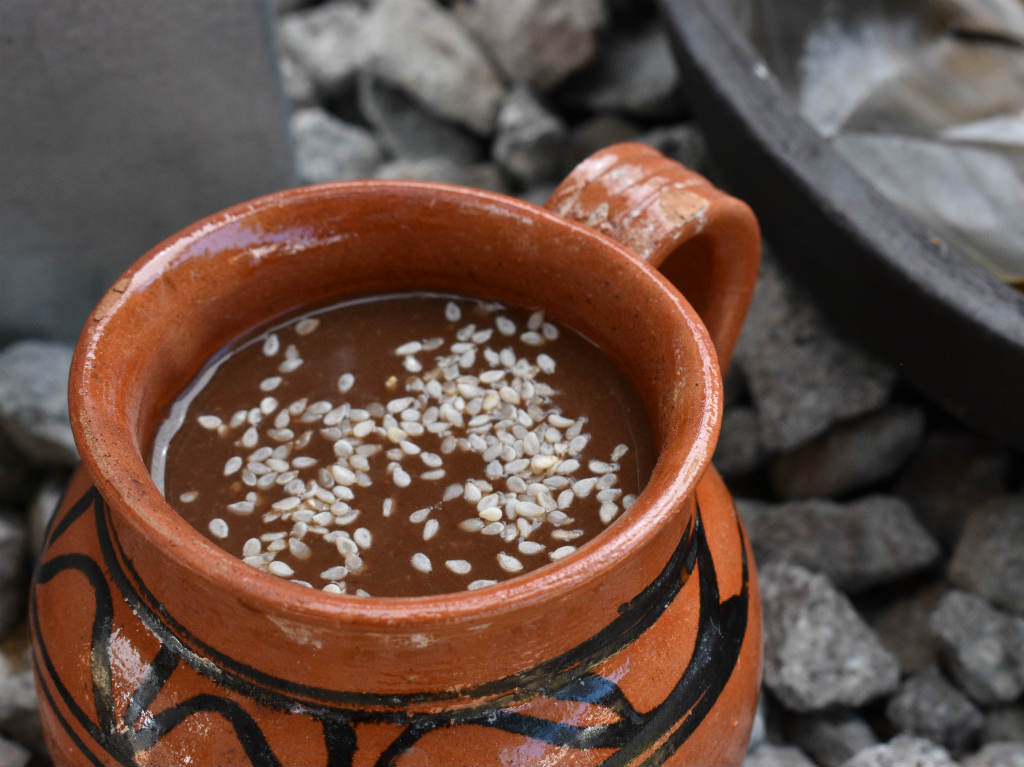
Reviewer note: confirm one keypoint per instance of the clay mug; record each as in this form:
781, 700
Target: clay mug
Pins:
153, 646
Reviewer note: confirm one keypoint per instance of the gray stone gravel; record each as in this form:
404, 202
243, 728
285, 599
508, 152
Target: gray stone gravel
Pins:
832, 737
989, 559
952, 474
902, 625
326, 42
530, 141
1008, 754
16, 472
19, 714
802, 378
818, 650
41, 509
297, 83
596, 133
329, 149
772, 755
930, 706
852, 456
635, 75
34, 400
860, 544
14, 549
683, 142
408, 130
535, 41
983, 647
13, 754
1003, 723
485, 175
419, 47
739, 443
904, 751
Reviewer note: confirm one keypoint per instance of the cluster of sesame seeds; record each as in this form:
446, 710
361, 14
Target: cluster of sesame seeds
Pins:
472, 394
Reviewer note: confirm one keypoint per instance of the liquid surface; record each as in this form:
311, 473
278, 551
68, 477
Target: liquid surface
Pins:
405, 446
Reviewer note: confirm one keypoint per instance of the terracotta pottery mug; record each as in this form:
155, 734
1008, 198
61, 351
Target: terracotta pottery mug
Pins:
154, 646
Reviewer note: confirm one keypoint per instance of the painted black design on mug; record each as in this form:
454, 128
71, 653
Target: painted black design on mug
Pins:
634, 737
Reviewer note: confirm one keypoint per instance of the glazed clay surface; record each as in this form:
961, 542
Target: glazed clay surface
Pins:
154, 647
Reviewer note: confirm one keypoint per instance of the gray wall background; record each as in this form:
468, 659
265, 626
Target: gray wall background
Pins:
120, 123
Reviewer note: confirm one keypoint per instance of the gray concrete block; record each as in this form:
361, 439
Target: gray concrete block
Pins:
121, 124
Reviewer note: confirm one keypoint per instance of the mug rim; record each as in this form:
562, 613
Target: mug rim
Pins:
126, 483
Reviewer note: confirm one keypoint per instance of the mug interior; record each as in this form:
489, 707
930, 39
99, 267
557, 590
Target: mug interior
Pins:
204, 287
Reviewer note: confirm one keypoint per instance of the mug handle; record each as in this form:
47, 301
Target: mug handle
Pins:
704, 241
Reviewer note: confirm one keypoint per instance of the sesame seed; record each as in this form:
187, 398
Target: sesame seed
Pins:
541, 463
458, 566
401, 477
233, 464
271, 383
387, 507
490, 514
509, 563
188, 497
334, 588
252, 547
474, 525
546, 363
505, 326
363, 428
345, 382
412, 347
342, 475
250, 438
290, 365
494, 528
569, 466
609, 493
582, 488
558, 518
306, 325
362, 537
566, 535
218, 528
336, 573
472, 492
354, 563
430, 529
530, 338
480, 584
241, 507
299, 549
433, 474
452, 312
530, 548
608, 512
529, 510
303, 462
281, 569
562, 552
209, 422
549, 331
421, 562
271, 345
